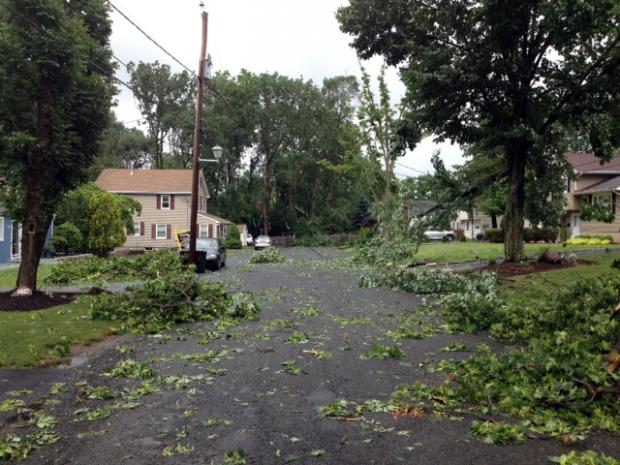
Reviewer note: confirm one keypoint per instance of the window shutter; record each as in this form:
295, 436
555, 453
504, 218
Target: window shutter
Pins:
158, 202
142, 228
171, 202
153, 231
169, 232
211, 231
613, 203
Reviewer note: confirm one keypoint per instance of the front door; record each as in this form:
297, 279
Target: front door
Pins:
16, 240
575, 224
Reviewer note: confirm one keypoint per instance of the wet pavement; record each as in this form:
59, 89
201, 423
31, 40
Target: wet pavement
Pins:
258, 392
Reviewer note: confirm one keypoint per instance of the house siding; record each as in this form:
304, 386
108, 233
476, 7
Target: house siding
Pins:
585, 181
175, 219
597, 228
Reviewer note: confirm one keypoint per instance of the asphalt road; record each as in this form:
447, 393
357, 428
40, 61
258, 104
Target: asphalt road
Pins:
248, 400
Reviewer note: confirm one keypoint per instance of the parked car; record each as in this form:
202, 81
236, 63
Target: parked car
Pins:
249, 240
210, 253
262, 242
438, 234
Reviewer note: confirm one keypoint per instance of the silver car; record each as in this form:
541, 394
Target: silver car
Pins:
249, 240
438, 234
262, 242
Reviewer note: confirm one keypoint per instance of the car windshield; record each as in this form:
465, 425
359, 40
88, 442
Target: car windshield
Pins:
202, 244
263, 238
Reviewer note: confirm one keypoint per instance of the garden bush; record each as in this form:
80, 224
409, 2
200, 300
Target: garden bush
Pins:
494, 235
540, 234
233, 238
67, 238
591, 240
268, 255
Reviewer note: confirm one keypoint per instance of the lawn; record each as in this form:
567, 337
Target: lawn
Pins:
467, 251
36, 338
540, 285
9, 277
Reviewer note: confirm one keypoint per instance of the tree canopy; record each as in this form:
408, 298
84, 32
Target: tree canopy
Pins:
514, 85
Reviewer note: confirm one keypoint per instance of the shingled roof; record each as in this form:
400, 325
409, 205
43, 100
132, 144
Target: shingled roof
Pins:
124, 181
589, 163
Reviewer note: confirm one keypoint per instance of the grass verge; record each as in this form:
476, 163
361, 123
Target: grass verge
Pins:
545, 284
469, 251
30, 339
8, 277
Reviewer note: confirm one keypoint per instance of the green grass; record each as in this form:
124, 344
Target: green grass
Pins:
541, 285
8, 277
467, 251
37, 338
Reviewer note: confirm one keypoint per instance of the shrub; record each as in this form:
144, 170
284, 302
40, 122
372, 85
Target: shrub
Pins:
494, 235
317, 239
459, 233
106, 228
268, 255
233, 237
68, 238
591, 240
366, 234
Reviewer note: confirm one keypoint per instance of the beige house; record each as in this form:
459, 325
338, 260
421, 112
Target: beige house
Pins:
596, 181
165, 196
474, 224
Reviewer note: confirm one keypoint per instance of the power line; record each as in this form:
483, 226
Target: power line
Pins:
133, 23
208, 83
410, 168
49, 34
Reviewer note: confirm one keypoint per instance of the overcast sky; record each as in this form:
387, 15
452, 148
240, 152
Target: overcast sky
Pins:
297, 38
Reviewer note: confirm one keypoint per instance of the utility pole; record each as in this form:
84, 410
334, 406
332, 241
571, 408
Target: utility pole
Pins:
193, 230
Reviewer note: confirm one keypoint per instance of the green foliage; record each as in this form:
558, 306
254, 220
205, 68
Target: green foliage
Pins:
598, 211
268, 255
591, 240
56, 101
68, 238
540, 234
556, 379
75, 208
340, 408
448, 57
498, 433
379, 352
95, 269
105, 227
494, 235
585, 458
171, 294
233, 237
298, 337
131, 369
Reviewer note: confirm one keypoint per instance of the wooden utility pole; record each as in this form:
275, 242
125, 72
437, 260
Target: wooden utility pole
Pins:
193, 229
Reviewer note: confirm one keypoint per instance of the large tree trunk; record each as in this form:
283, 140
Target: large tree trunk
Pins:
514, 222
266, 195
36, 221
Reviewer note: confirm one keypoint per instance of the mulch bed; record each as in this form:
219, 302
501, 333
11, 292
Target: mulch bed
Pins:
508, 270
40, 300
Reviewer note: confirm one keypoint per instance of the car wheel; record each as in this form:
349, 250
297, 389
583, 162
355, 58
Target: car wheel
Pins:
450, 238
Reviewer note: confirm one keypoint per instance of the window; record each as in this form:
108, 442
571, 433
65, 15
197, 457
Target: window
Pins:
165, 202
162, 231
136, 229
568, 183
204, 231
1, 229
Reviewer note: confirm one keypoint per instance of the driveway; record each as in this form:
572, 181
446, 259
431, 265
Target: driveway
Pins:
257, 395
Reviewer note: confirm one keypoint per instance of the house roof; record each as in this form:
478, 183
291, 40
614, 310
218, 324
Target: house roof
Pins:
215, 218
126, 181
609, 184
588, 163
421, 207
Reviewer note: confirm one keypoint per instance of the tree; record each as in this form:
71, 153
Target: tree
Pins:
105, 225
55, 95
380, 127
121, 147
161, 96
75, 209
513, 84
